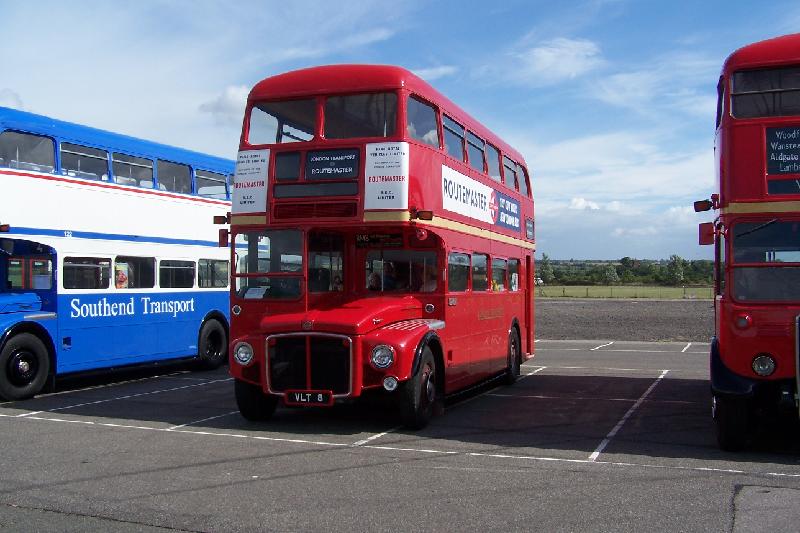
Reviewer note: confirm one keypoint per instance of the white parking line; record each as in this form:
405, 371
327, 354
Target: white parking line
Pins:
601, 346
591, 399
427, 451
596, 453
376, 436
173, 428
686, 348
138, 395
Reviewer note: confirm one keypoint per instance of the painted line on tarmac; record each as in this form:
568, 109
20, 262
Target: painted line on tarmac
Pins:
601, 346
128, 396
427, 451
173, 428
613, 350
104, 386
376, 436
596, 453
686, 348
647, 370
592, 399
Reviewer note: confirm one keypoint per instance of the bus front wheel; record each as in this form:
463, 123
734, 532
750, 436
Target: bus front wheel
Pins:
253, 404
514, 357
212, 346
24, 366
730, 422
419, 394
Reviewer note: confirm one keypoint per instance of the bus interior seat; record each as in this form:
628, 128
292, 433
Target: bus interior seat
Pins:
147, 184
122, 180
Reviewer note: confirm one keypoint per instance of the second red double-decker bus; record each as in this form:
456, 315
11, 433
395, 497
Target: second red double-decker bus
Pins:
383, 240
754, 352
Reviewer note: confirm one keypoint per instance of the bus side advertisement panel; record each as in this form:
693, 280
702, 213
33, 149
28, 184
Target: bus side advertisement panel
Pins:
109, 329
470, 198
386, 176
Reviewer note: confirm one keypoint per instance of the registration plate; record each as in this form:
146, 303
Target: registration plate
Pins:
308, 398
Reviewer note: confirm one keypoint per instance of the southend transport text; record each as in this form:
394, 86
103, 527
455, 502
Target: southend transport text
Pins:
146, 306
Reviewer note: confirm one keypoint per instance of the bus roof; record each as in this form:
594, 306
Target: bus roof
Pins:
771, 52
67, 131
341, 79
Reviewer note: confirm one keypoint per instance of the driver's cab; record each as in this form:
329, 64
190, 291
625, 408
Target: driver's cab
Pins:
27, 277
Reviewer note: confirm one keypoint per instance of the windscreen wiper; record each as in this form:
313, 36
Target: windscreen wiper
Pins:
757, 228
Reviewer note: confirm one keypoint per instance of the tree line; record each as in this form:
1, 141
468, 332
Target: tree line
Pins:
674, 271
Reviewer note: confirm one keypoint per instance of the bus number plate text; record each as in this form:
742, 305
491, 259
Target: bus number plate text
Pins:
308, 398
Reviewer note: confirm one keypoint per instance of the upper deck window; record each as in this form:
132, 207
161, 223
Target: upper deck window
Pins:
282, 122
773, 92
510, 173
130, 170
475, 147
360, 115
84, 162
174, 177
211, 184
522, 176
493, 162
453, 137
27, 152
421, 122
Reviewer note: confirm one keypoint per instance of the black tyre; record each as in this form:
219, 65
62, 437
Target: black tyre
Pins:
253, 404
212, 345
24, 367
731, 422
514, 358
419, 395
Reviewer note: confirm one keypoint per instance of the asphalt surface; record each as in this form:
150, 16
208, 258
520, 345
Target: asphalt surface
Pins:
609, 436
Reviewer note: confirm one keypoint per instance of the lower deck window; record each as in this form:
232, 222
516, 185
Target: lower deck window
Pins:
86, 273
176, 274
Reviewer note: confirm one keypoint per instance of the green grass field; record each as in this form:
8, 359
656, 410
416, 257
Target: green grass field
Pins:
624, 291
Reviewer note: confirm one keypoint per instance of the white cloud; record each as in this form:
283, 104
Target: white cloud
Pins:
9, 98
228, 107
558, 60
681, 82
434, 73
582, 204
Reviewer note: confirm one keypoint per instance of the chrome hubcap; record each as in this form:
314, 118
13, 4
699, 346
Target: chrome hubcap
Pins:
23, 367
430, 387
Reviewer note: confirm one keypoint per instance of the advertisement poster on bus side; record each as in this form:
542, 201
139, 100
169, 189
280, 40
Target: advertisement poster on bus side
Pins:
386, 176
250, 182
465, 196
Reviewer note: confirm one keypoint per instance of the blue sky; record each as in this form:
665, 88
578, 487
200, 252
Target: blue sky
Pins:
610, 101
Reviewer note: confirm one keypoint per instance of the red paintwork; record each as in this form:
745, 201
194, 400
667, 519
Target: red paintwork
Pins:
740, 150
474, 340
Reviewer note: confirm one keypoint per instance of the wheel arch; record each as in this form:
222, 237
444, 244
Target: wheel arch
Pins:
432, 340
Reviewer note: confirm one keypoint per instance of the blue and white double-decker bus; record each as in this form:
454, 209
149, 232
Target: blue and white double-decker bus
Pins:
108, 253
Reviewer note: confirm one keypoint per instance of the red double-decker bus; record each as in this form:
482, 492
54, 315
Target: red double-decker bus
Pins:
754, 352
383, 239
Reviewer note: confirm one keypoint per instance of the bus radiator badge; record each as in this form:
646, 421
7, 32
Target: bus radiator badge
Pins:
306, 325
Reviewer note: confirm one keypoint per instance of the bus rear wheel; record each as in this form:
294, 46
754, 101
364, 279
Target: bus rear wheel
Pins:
212, 346
419, 394
730, 422
253, 404
514, 358
24, 366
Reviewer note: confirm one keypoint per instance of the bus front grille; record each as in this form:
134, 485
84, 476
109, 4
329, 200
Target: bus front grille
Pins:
309, 362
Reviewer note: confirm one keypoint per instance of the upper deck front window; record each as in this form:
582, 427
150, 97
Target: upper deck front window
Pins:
360, 115
282, 122
772, 92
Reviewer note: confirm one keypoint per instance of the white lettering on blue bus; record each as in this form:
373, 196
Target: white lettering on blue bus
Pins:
150, 307
101, 308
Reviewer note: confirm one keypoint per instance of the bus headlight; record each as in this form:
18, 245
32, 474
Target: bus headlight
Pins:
763, 364
243, 353
382, 356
